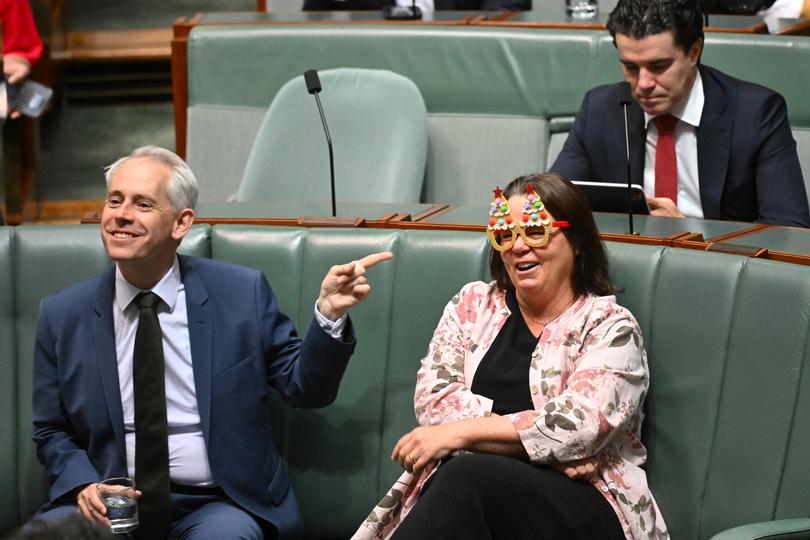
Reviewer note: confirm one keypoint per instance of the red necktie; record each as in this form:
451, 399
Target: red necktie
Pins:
666, 162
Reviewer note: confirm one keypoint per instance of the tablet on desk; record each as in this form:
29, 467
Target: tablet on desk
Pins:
612, 197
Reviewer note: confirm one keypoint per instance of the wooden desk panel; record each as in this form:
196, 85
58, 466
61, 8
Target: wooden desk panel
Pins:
555, 17
792, 27
785, 244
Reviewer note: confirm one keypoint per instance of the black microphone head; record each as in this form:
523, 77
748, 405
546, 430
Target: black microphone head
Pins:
312, 80
623, 94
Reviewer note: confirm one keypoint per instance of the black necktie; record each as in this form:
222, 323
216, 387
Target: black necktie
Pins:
151, 430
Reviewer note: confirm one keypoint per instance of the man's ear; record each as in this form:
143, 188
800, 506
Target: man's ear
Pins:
696, 51
183, 223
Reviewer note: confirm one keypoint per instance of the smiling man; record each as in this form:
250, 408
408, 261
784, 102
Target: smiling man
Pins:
160, 369
702, 143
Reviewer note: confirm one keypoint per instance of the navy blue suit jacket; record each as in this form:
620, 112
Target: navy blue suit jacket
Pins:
748, 168
240, 342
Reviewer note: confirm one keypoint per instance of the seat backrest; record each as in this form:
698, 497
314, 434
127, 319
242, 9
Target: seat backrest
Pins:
344, 449
713, 337
8, 386
378, 124
802, 136
46, 259
499, 100
728, 412
488, 92
727, 427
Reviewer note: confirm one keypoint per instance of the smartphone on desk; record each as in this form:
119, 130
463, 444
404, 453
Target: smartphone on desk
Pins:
29, 97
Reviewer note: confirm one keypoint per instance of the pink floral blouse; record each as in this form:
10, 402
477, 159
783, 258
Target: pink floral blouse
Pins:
588, 380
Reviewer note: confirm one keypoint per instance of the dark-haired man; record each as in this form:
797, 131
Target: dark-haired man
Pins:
705, 144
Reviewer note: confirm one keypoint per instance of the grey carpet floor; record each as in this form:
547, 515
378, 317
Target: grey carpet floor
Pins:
84, 15
78, 141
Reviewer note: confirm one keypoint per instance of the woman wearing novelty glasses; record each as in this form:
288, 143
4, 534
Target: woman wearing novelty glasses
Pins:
538, 373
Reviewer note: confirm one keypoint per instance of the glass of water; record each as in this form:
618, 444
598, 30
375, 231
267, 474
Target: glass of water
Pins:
118, 495
581, 9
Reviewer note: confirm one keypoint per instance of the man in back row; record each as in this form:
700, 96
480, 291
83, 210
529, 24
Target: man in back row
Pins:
703, 144
160, 368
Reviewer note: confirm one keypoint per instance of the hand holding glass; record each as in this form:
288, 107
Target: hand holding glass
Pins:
120, 499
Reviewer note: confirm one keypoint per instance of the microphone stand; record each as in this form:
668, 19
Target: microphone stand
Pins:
629, 183
625, 97
314, 87
331, 153
416, 13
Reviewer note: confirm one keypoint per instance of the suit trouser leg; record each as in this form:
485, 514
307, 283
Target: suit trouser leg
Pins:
57, 513
65, 521
207, 517
196, 517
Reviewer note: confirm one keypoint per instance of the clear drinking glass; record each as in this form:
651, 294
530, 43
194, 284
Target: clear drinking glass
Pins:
118, 495
581, 9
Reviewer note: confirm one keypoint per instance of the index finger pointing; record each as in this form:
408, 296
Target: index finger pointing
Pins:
370, 260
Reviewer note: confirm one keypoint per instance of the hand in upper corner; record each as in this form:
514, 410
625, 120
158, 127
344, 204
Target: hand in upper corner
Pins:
346, 285
16, 68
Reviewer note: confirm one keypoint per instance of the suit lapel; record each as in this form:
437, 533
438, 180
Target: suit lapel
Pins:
107, 359
200, 332
713, 146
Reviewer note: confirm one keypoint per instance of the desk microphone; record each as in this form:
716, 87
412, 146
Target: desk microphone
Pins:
313, 87
624, 98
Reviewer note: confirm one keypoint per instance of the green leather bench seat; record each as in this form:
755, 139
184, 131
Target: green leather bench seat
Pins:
8, 384
347, 461
45, 259
728, 413
500, 101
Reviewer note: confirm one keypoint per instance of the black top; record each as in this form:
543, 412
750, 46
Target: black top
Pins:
503, 374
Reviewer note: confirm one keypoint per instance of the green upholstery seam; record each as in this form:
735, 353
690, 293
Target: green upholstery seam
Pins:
15, 374
593, 53
486, 275
781, 534
286, 435
300, 265
792, 423
381, 451
719, 400
649, 339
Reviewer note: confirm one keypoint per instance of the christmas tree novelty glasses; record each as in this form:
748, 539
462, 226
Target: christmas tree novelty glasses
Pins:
534, 224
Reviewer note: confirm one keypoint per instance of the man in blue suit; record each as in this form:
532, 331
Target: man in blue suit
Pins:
223, 340
734, 156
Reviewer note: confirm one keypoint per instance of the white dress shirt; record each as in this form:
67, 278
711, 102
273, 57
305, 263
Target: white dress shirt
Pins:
188, 460
426, 6
688, 112
781, 9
